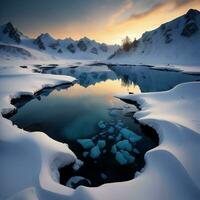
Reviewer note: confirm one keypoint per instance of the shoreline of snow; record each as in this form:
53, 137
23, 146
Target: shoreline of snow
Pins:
31, 161
188, 69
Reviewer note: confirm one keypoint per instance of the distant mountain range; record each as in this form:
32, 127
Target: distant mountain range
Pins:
176, 42
83, 48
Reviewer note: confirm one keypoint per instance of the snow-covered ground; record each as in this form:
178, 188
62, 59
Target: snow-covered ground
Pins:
30, 161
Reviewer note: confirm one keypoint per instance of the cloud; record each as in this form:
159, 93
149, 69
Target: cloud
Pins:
154, 8
179, 3
123, 10
145, 13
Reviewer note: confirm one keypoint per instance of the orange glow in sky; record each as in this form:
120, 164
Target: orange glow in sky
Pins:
106, 21
114, 30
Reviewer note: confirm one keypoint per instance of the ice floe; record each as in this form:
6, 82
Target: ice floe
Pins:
86, 143
95, 152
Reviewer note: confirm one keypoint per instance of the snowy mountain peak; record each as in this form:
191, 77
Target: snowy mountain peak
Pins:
45, 40
192, 13
83, 48
46, 36
177, 40
192, 23
9, 33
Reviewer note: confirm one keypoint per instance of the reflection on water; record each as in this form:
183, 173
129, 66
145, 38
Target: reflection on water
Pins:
74, 113
151, 80
147, 78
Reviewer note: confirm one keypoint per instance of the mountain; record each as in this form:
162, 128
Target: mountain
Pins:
9, 34
175, 42
45, 43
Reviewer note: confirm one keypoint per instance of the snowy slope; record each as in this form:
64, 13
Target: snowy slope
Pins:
176, 42
66, 48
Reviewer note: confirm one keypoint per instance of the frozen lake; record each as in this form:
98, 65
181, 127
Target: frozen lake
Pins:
89, 110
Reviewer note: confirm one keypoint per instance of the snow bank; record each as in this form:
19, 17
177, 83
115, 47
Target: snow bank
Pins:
29, 161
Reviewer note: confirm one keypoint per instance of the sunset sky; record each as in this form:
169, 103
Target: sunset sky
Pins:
103, 20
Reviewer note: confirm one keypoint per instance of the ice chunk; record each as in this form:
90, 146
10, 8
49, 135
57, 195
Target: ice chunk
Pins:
114, 149
136, 151
124, 145
113, 112
110, 137
101, 143
101, 124
119, 125
118, 138
120, 158
77, 165
130, 159
103, 176
95, 152
130, 135
86, 143
135, 138
111, 130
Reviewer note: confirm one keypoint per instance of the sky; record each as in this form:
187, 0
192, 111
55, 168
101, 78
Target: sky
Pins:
106, 21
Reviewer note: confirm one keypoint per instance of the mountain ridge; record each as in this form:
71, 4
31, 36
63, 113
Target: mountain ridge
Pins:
177, 40
57, 47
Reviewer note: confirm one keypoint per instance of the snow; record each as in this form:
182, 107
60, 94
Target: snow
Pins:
75, 179
30, 161
53, 48
153, 47
86, 143
173, 166
95, 152
33, 159
77, 164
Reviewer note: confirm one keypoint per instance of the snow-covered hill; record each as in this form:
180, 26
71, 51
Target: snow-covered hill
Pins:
175, 42
46, 44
